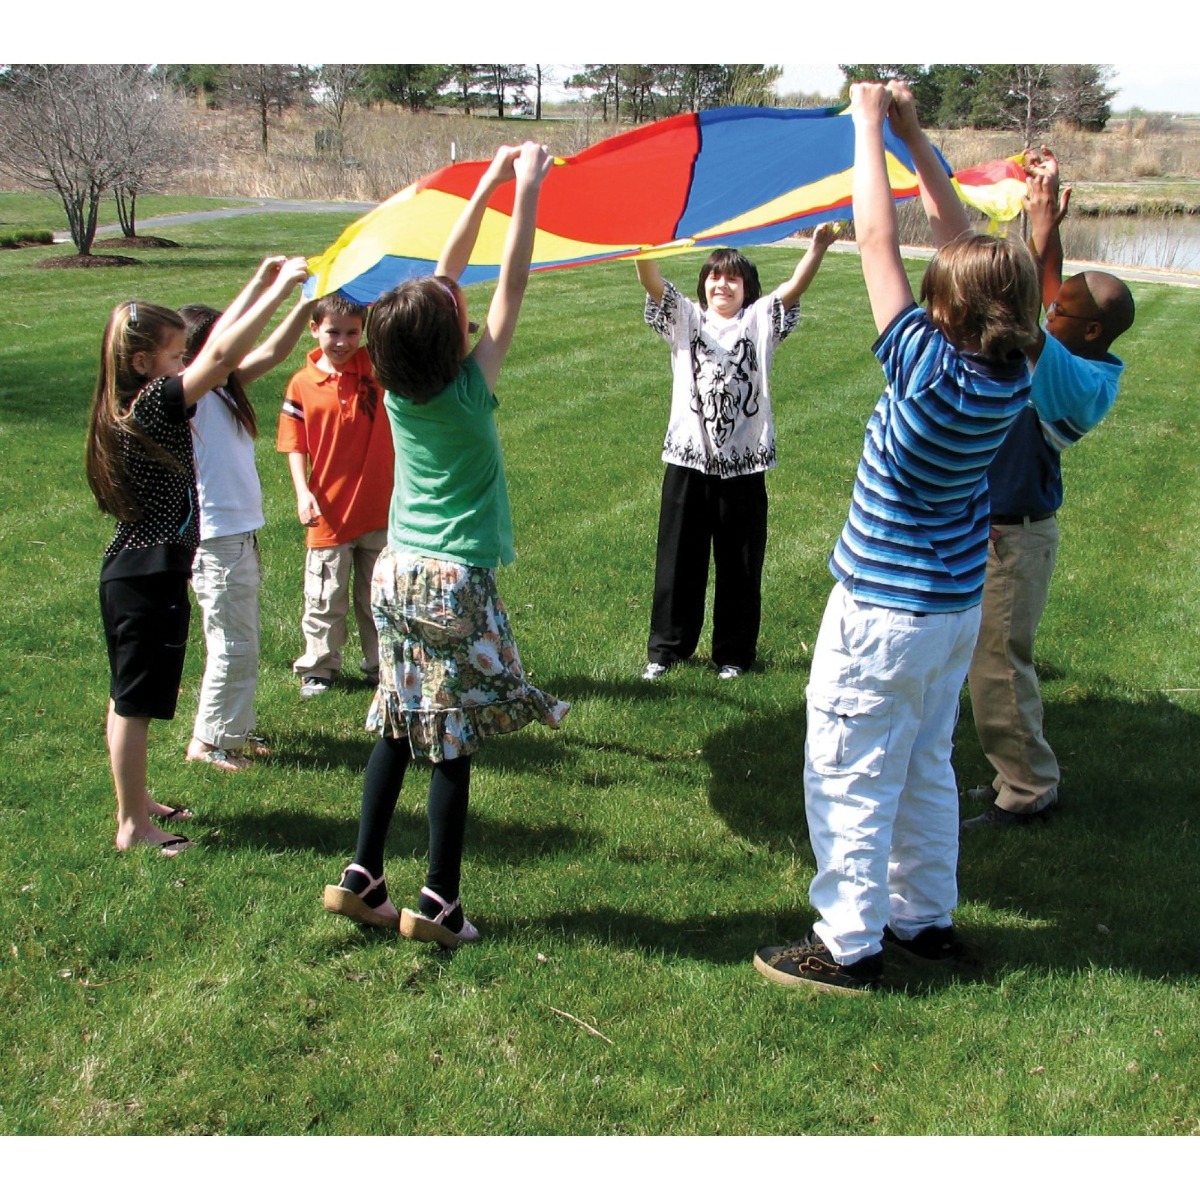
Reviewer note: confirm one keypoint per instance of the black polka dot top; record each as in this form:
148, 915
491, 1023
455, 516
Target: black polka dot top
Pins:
165, 537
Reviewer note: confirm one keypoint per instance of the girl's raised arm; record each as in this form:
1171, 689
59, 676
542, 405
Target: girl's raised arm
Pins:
225, 348
462, 237
531, 165
279, 345
947, 217
268, 269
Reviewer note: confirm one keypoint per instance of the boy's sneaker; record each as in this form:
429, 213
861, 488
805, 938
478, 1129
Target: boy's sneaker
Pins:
983, 794
935, 944
995, 817
729, 672
808, 961
313, 685
655, 671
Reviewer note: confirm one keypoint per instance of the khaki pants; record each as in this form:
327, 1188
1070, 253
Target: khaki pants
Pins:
1004, 685
226, 574
327, 603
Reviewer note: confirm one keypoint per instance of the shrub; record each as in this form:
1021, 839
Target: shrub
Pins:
15, 238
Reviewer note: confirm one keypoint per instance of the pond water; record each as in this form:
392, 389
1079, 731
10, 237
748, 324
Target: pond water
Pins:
1170, 242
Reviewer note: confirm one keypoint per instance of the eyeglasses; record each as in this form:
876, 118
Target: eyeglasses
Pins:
1055, 311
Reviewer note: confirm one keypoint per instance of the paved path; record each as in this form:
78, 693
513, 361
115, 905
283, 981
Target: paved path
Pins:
254, 207
248, 208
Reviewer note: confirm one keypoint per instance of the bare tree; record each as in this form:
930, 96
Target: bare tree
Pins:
59, 133
540, 76
1032, 97
337, 84
150, 140
266, 86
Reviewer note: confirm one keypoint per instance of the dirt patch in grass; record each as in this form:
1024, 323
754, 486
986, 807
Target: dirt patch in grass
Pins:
137, 243
83, 261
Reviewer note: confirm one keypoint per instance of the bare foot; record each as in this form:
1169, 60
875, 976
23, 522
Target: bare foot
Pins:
164, 812
168, 844
256, 747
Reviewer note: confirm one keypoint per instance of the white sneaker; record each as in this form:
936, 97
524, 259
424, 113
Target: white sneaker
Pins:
313, 685
728, 672
655, 671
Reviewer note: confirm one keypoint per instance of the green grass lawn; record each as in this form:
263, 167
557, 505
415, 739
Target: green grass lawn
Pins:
44, 210
624, 868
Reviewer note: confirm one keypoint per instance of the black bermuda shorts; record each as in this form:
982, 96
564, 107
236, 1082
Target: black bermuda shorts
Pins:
146, 620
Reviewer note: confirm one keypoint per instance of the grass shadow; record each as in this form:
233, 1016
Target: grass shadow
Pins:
757, 785
1129, 818
488, 840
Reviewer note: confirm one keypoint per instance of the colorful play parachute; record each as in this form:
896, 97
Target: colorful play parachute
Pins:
725, 176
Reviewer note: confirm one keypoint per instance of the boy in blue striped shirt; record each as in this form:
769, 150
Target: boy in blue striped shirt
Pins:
900, 625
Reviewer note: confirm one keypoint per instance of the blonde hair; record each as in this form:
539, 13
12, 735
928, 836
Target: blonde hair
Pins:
982, 292
133, 328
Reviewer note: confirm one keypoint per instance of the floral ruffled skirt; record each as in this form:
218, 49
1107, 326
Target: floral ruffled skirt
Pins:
449, 671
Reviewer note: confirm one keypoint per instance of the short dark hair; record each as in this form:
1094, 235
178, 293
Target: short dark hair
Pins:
336, 305
982, 293
1115, 309
730, 262
414, 338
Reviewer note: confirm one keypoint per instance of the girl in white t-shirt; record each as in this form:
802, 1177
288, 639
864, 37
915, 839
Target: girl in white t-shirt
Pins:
720, 441
226, 572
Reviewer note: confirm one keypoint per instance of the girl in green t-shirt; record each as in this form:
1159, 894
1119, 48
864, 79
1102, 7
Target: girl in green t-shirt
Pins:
450, 673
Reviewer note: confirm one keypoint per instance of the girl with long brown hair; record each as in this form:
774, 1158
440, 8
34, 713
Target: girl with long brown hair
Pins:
140, 469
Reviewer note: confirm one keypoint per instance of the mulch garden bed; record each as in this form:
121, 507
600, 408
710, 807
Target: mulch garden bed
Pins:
136, 243
70, 261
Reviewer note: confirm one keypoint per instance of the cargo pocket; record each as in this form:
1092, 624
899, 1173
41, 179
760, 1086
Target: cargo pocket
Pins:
318, 584
848, 732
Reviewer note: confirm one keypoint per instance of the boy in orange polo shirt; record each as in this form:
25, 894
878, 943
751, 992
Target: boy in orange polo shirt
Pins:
335, 433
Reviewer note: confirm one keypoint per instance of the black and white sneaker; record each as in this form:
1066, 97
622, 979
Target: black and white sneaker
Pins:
809, 961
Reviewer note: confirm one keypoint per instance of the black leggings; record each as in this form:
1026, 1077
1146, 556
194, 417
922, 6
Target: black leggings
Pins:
449, 793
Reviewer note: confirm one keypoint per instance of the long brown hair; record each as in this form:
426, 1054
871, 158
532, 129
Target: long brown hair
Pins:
200, 320
133, 327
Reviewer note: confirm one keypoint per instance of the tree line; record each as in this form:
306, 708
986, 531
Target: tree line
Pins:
624, 91
1029, 98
